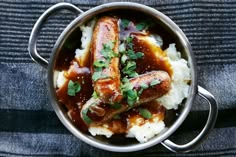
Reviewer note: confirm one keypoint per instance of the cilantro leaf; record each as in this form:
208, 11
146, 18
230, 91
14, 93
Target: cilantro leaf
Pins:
124, 58
140, 26
131, 54
116, 106
140, 91
155, 82
73, 88
85, 117
126, 85
132, 94
125, 23
131, 102
131, 65
132, 97
122, 48
129, 40
129, 69
98, 75
109, 45
108, 53
95, 95
117, 116
139, 54
100, 64
143, 85
145, 113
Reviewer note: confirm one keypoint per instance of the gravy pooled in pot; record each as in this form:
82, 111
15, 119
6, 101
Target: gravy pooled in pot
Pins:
119, 79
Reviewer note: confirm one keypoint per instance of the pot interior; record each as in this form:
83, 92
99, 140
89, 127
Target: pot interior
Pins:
70, 40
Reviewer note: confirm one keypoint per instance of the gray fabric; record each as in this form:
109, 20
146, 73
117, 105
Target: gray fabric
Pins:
28, 125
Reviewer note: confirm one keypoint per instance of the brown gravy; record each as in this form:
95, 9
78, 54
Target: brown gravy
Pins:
82, 75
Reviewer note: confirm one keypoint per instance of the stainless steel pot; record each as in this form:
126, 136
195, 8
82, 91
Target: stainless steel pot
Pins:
185, 49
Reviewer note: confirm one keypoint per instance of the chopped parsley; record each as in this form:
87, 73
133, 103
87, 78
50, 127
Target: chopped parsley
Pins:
95, 95
155, 82
129, 42
124, 23
117, 116
107, 51
98, 75
116, 106
132, 55
145, 113
86, 117
144, 25
73, 88
128, 92
122, 48
143, 85
128, 57
99, 65
129, 69
132, 97
124, 58
140, 26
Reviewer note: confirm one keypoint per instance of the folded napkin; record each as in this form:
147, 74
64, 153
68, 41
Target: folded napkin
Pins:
28, 124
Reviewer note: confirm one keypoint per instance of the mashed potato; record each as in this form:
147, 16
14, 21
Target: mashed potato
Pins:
171, 100
146, 131
180, 79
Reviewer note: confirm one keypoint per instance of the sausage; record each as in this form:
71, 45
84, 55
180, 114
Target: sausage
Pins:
108, 88
159, 88
101, 113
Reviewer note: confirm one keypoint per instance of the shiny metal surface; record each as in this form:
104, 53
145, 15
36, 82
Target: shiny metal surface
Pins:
60, 111
213, 111
32, 46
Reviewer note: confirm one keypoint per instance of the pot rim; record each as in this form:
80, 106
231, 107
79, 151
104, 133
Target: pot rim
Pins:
149, 11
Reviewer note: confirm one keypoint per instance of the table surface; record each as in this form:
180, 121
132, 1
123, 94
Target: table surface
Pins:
28, 124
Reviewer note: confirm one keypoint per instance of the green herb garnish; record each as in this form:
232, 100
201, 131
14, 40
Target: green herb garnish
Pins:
144, 25
95, 95
129, 42
145, 113
116, 106
126, 85
139, 54
117, 117
140, 26
107, 51
125, 23
124, 58
98, 75
132, 97
155, 82
132, 55
122, 48
85, 117
143, 85
73, 88
129, 69
100, 64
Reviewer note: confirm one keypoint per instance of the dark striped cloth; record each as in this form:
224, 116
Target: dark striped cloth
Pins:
29, 126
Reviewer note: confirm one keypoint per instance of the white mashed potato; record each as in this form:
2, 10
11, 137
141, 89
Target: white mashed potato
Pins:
180, 79
171, 100
146, 131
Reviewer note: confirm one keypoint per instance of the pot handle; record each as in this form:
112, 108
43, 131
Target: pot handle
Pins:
35, 31
213, 111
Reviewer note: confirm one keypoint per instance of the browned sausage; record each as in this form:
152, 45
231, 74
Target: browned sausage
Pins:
108, 88
101, 113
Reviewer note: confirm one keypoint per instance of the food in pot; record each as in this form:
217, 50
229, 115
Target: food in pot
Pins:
123, 78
